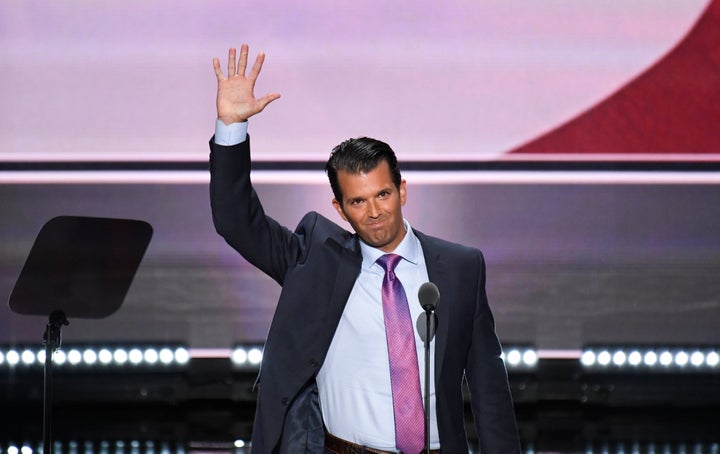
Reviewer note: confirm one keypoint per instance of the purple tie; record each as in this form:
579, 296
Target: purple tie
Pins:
404, 372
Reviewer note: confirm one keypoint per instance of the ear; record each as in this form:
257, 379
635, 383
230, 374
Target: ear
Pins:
403, 193
339, 208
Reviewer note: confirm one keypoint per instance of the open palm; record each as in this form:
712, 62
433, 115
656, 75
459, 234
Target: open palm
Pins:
236, 100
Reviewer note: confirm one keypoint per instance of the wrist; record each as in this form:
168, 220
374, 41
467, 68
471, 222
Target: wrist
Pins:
230, 120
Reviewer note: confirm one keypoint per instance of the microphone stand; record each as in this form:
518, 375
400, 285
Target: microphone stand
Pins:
428, 337
428, 296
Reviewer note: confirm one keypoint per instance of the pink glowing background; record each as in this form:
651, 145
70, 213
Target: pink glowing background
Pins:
572, 259
132, 80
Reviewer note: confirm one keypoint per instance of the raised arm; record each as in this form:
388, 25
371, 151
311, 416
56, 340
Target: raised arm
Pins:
238, 215
236, 100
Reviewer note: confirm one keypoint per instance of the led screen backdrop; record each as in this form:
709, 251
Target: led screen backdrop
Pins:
567, 264
451, 80
107, 109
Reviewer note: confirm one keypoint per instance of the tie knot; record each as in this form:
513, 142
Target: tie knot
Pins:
389, 262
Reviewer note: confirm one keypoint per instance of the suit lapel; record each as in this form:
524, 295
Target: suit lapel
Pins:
437, 268
349, 263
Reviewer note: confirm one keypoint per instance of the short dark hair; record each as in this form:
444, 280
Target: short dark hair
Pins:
360, 155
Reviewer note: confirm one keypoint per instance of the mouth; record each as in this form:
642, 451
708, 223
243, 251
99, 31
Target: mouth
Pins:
376, 224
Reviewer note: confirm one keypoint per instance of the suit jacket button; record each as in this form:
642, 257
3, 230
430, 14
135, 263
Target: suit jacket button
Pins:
313, 362
285, 401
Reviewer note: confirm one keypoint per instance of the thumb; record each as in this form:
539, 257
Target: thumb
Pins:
267, 99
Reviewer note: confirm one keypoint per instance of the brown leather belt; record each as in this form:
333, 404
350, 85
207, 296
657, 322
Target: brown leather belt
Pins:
339, 446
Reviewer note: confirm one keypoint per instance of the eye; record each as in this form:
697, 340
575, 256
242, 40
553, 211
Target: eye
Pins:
383, 194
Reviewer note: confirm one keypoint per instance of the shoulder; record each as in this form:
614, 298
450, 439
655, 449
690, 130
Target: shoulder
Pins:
321, 228
435, 245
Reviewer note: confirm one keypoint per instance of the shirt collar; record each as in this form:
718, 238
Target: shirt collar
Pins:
407, 249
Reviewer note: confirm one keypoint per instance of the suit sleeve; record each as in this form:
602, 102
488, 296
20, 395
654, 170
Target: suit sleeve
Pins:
239, 217
487, 379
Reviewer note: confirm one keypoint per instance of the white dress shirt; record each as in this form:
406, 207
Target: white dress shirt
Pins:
354, 380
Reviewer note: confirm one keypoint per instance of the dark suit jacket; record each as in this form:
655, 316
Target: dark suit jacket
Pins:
317, 265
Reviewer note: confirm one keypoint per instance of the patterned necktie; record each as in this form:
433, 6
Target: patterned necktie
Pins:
404, 372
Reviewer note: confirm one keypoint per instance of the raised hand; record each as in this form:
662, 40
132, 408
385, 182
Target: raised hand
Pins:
236, 100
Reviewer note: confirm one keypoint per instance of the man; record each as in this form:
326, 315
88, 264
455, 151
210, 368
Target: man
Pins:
329, 381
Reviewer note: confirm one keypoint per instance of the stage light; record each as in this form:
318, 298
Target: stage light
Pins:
2, 358
697, 358
588, 358
635, 358
166, 356
530, 358
89, 357
239, 443
59, 357
27, 357
74, 357
255, 356
105, 357
182, 356
681, 358
151, 356
135, 356
666, 358
120, 356
12, 357
619, 358
650, 358
41, 356
239, 356
712, 359
514, 357
26, 450
13, 450
604, 358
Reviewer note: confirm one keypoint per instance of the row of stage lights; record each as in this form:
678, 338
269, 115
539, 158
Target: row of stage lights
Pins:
106, 356
239, 446
651, 359
242, 446
249, 357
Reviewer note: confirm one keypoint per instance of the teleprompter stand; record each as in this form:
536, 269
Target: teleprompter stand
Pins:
78, 267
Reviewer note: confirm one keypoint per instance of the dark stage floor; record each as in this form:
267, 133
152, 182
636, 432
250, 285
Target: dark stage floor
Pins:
208, 407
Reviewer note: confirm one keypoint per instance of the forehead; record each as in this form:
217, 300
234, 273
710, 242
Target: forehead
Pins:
365, 183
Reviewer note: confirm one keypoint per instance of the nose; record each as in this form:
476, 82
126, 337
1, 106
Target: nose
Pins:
373, 209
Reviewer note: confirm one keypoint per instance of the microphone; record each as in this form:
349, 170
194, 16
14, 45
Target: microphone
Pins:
422, 326
429, 297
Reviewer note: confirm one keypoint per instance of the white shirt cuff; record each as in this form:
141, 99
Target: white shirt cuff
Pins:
231, 134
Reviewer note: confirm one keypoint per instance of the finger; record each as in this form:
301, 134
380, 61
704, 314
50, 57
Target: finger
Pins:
257, 66
231, 62
242, 63
267, 99
218, 71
